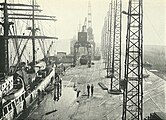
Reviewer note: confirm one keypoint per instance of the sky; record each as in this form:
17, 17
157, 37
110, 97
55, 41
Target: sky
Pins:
71, 13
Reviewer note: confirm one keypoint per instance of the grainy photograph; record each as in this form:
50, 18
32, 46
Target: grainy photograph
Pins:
82, 60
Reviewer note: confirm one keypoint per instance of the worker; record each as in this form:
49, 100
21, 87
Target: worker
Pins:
92, 88
60, 86
64, 69
78, 92
38, 98
42, 94
52, 79
56, 75
55, 91
58, 90
88, 89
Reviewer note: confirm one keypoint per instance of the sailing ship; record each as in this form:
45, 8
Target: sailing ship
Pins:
21, 82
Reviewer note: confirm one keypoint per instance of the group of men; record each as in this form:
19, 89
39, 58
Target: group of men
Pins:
89, 89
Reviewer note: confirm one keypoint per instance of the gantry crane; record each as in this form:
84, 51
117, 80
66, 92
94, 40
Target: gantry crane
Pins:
109, 39
82, 42
133, 82
106, 40
103, 42
116, 50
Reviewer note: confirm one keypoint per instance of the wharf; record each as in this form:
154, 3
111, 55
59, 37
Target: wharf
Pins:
100, 106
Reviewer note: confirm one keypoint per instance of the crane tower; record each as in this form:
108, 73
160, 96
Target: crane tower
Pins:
133, 87
104, 43
110, 39
90, 30
116, 51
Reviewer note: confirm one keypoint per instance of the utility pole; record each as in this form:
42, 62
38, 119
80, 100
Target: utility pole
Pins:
116, 55
133, 82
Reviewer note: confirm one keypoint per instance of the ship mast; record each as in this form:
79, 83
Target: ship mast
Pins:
33, 31
6, 26
4, 61
8, 15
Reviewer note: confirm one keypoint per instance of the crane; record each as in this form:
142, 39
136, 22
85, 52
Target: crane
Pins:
104, 43
82, 42
90, 31
109, 37
116, 49
85, 25
133, 82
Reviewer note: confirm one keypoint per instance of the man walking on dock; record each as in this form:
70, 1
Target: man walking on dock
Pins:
78, 92
88, 89
92, 88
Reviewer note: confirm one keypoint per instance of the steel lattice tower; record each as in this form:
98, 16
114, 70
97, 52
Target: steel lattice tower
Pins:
110, 30
108, 41
89, 15
104, 42
90, 30
133, 92
116, 55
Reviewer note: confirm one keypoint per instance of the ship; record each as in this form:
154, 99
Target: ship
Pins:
23, 82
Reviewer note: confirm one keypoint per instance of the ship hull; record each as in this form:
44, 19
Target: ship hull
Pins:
23, 102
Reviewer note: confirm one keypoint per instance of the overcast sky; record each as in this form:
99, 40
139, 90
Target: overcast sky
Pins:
70, 13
